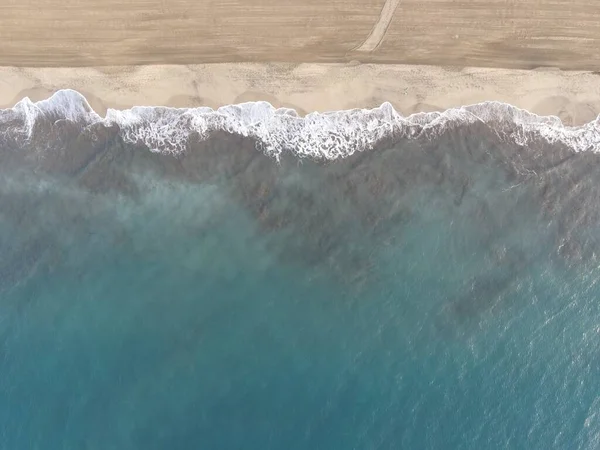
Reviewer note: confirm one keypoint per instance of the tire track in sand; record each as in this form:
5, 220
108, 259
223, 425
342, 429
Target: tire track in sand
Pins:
378, 32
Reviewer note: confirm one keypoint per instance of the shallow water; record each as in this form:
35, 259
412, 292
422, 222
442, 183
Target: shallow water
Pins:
437, 291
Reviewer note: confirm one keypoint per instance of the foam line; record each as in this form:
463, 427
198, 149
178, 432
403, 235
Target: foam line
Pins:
327, 135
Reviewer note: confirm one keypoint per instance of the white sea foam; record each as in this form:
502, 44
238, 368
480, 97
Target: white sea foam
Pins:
328, 135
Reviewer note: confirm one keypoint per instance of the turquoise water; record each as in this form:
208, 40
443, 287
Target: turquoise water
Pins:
423, 295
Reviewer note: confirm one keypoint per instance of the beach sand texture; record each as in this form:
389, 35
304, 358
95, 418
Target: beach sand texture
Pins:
490, 33
574, 96
310, 55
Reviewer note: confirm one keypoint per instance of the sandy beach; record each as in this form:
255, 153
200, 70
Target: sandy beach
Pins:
573, 96
490, 33
308, 55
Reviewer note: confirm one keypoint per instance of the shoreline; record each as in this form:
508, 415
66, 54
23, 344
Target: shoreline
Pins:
573, 96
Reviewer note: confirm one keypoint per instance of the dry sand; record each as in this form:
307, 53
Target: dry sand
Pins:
573, 96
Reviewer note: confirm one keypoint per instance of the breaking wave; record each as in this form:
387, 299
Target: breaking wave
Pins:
328, 135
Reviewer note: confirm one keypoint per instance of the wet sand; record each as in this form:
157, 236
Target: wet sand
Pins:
490, 33
574, 96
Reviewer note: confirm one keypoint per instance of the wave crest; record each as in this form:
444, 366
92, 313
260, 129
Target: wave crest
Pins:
328, 135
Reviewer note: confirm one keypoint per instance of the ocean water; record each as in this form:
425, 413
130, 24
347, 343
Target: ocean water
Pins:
248, 279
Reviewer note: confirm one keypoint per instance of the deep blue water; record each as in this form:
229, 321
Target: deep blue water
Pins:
434, 295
